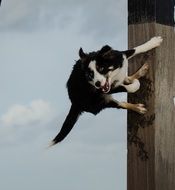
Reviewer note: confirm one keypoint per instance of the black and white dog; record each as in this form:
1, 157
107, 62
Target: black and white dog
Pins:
99, 74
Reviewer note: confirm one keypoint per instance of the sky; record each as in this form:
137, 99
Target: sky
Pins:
39, 43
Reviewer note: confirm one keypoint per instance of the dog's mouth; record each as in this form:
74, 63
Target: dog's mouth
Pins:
106, 87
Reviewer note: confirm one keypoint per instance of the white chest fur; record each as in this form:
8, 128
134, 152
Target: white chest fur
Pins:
118, 76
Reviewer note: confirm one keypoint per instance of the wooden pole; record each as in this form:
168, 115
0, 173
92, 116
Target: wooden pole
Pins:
155, 131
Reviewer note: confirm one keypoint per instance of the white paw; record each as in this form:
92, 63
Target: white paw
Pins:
156, 41
140, 108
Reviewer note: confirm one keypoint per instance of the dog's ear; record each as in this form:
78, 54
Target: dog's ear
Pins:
105, 49
129, 53
81, 53
109, 54
106, 52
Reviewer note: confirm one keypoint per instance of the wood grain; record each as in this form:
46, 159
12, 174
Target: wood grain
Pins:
157, 91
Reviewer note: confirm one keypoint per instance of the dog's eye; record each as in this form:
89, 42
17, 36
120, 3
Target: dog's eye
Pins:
111, 68
101, 69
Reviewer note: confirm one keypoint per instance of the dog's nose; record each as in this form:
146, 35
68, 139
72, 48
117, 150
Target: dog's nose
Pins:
98, 84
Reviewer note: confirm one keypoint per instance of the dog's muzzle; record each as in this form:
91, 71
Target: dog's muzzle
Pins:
106, 87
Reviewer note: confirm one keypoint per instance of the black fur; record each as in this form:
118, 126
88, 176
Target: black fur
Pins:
110, 58
84, 96
129, 53
68, 124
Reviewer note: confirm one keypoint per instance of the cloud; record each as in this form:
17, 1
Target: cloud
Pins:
23, 124
38, 111
99, 18
31, 15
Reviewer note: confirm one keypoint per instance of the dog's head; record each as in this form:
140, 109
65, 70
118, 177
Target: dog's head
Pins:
101, 67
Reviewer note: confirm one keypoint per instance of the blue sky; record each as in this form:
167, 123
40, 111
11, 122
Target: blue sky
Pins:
39, 42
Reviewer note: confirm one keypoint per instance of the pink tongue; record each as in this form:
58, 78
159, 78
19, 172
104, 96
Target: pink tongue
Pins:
105, 88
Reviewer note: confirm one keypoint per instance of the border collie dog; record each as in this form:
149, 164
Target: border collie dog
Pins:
96, 76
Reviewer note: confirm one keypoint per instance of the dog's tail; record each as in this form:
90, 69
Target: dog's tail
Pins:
67, 125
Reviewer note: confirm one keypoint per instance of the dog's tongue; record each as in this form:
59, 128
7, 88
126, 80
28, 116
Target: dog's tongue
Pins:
106, 87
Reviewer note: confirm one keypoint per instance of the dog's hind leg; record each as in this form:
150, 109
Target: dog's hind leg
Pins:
139, 108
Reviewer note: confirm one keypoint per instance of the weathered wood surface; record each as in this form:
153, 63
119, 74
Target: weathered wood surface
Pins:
165, 111
159, 11
157, 127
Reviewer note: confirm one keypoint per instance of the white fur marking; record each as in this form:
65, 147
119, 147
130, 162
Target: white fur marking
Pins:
97, 75
119, 74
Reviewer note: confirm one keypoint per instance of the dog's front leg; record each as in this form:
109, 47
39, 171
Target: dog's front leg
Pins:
152, 43
139, 108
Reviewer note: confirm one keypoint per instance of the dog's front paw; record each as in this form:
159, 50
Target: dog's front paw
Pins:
156, 41
140, 108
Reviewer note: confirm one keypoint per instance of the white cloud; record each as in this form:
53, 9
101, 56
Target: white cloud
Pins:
32, 14
49, 14
38, 111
